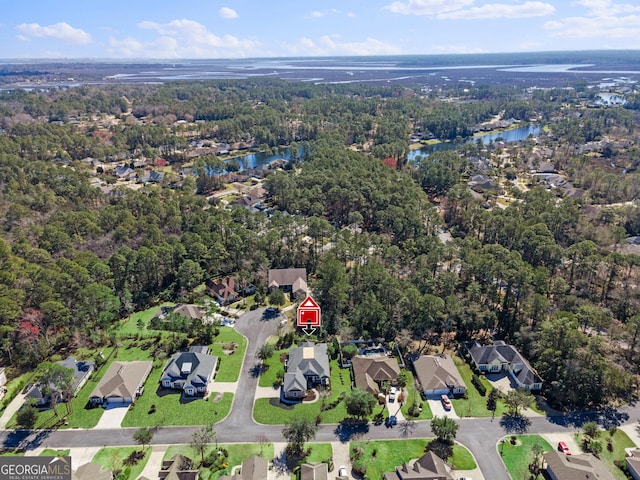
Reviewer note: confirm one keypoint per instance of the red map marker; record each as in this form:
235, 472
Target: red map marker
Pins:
308, 315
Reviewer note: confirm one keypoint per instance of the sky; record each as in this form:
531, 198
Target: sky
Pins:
162, 29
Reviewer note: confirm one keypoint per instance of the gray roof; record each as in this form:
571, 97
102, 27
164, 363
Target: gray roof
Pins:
254, 468
306, 360
122, 379
189, 310
368, 372
284, 277
633, 461
427, 467
314, 471
201, 371
80, 369
436, 372
576, 467
500, 351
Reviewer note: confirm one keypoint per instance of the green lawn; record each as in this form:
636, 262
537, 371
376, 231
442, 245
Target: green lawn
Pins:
412, 394
49, 452
11, 453
384, 456
14, 386
273, 364
475, 405
620, 442
83, 415
129, 325
172, 408
320, 452
238, 452
230, 365
110, 456
272, 412
517, 457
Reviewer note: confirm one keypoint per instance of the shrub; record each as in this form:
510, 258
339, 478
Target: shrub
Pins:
482, 390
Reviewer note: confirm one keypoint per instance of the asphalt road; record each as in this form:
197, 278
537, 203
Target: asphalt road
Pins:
480, 435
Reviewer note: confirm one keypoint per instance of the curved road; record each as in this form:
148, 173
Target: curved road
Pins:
480, 435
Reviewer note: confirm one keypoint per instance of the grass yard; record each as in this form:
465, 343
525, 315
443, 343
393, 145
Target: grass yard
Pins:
273, 364
82, 414
49, 452
412, 394
320, 452
620, 441
11, 453
172, 408
230, 365
475, 405
238, 452
272, 412
517, 457
384, 456
115, 456
129, 326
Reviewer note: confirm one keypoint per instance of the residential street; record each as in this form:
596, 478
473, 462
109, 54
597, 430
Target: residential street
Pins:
480, 435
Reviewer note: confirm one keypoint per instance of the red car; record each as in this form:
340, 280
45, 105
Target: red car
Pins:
562, 447
446, 403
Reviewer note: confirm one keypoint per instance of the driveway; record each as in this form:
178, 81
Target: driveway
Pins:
257, 330
554, 438
438, 410
111, 418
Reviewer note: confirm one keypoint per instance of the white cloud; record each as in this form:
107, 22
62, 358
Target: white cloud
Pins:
502, 10
325, 13
607, 7
226, 12
61, 31
332, 45
427, 7
183, 38
627, 27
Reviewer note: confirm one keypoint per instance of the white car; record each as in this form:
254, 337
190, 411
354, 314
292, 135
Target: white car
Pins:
392, 394
342, 471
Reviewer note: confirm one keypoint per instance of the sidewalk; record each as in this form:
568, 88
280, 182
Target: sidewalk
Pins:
11, 409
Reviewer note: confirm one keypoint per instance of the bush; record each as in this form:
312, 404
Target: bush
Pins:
360, 467
482, 390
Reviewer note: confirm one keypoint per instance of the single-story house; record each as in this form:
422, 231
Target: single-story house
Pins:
308, 366
438, 375
151, 176
191, 372
43, 398
370, 372
633, 463
289, 280
559, 466
427, 467
121, 383
223, 291
92, 471
178, 467
314, 471
501, 357
194, 312
254, 468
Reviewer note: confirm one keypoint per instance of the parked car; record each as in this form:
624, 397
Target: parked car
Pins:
563, 448
342, 471
391, 421
271, 312
446, 403
392, 394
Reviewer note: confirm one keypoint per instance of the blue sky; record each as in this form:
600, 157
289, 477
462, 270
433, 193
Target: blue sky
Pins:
136, 29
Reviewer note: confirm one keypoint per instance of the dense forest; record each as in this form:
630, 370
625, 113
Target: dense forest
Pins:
550, 273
